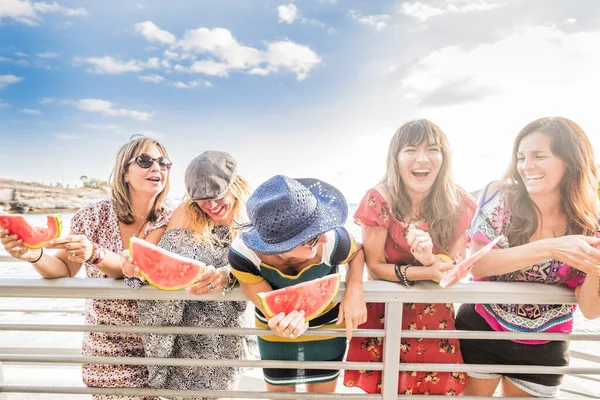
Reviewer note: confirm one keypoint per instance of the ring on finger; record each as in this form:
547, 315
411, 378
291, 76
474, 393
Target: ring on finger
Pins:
73, 253
210, 286
289, 331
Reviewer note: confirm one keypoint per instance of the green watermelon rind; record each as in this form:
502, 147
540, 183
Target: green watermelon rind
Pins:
152, 247
263, 296
53, 221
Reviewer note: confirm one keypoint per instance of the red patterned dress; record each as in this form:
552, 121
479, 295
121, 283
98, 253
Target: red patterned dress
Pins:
374, 210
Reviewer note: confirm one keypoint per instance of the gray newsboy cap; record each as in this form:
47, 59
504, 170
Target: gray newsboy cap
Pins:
210, 175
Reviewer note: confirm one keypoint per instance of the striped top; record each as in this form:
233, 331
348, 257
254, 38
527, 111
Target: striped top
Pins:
249, 269
492, 220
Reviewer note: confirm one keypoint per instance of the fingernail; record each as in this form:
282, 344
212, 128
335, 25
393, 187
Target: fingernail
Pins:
454, 262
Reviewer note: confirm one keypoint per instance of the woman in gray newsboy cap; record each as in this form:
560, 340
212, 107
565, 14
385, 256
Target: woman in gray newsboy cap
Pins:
201, 228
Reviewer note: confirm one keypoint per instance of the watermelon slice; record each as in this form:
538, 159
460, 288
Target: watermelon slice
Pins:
33, 237
163, 269
466, 265
313, 297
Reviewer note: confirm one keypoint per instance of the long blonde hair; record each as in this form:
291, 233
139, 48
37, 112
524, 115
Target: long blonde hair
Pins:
444, 202
120, 194
578, 187
203, 225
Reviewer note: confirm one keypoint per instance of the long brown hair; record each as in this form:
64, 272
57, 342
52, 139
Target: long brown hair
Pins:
444, 202
120, 195
578, 187
203, 225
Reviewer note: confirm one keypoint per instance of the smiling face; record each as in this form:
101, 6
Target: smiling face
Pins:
419, 166
150, 181
539, 168
221, 210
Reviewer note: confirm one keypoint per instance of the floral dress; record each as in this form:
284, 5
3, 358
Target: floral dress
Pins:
98, 221
374, 210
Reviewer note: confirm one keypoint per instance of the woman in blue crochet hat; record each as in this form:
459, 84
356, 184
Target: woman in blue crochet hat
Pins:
297, 235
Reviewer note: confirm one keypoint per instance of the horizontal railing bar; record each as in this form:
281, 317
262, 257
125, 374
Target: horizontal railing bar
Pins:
375, 291
585, 356
186, 330
579, 393
585, 377
67, 351
40, 311
374, 366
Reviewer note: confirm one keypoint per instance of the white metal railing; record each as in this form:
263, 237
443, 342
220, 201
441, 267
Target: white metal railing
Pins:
375, 291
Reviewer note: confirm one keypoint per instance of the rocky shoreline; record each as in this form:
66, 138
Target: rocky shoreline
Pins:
32, 198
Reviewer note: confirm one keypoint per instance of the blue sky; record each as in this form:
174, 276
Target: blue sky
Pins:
303, 88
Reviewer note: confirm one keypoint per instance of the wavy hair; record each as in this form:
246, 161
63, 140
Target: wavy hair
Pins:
200, 223
120, 194
578, 187
444, 202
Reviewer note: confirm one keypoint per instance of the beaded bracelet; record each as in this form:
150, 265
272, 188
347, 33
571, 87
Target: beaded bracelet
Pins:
402, 274
40, 257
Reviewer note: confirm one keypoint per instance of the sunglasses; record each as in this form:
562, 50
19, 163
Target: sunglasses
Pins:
145, 161
312, 242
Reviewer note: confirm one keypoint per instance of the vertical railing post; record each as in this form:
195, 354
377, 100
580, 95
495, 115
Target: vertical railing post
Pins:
2, 396
391, 350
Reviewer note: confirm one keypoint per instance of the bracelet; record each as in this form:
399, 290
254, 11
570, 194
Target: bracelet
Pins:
40, 257
402, 274
94, 256
230, 280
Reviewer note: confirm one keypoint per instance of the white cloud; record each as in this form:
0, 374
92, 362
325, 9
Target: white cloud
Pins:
291, 56
46, 100
63, 136
376, 21
6, 80
140, 6
287, 13
109, 65
48, 54
423, 12
19, 54
107, 108
31, 111
191, 84
4, 105
208, 67
153, 33
151, 78
27, 12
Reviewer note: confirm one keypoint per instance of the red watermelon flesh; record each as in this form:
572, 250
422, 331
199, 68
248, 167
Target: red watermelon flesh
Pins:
466, 265
33, 237
313, 297
163, 269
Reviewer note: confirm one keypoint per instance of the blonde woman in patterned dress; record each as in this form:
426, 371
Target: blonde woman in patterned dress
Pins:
99, 232
201, 228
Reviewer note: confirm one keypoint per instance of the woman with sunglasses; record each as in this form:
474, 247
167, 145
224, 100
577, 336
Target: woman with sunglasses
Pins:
297, 235
201, 228
99, 232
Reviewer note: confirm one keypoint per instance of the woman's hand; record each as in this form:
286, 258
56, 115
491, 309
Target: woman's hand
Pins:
291, 325
457, 260
14, 247
579, 252
352, 309
438, 269
421, 245
78, 248
208, 281
128, 267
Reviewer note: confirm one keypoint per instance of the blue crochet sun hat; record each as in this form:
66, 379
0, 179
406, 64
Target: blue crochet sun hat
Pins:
286, 212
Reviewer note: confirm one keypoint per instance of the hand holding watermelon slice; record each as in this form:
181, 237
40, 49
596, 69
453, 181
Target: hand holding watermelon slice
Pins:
19, 238
290, 325
163, 269
463, 268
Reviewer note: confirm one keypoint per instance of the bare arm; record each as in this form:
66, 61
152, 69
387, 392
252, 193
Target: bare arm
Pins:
353, 309
252, 291
588, 297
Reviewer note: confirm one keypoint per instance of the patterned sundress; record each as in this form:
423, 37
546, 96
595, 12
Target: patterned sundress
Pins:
249, 269
374, 210
98, 221
195, 313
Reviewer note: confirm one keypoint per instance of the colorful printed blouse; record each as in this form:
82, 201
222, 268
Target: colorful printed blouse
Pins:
492, 220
